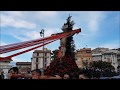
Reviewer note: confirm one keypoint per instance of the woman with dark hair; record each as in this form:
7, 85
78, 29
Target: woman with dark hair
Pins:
36, 73
13, 73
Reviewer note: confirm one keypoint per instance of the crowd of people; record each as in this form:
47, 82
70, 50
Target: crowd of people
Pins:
14, 73
64, 69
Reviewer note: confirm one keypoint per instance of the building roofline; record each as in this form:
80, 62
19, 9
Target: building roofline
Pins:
6, 59
23, 63
97, 54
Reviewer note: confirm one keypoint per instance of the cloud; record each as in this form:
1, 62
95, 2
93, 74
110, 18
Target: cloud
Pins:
94, 20
18, 59
51, 21
16, 14
46, 16
2, 55
11, 18
111, 45
7, 20
23, 57
88, 20
50, 31
33, 35
3, 43
93, 25
19, 37
83, 35
25, 35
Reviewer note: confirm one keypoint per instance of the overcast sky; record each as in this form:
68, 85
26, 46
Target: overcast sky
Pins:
98, 28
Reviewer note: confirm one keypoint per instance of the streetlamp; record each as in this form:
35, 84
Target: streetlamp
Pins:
42, 34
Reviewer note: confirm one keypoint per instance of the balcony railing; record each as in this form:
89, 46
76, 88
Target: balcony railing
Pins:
36, 62
5, 66
40, 57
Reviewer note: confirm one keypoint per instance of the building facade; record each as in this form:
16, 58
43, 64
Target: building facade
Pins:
108, 55
37, 59
118, 59
24, 67
99, 50
84, 57
5, 65
97, 53
112, 57
97, 57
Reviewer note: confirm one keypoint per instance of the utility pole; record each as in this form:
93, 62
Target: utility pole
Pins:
42, 34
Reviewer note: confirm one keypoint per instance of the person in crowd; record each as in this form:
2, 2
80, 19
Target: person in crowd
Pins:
66, 76
13, 73
85, 75
2, 76
96, 75
55, 76
36, 73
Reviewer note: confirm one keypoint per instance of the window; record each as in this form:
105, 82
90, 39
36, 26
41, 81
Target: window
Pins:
85, 62
45, 59
45, 54
88, 51
36, 63
37, 54
45, 65
36, 59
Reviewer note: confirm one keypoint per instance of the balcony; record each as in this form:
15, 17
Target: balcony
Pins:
5, 67
41, 57
36, 62
84, 55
